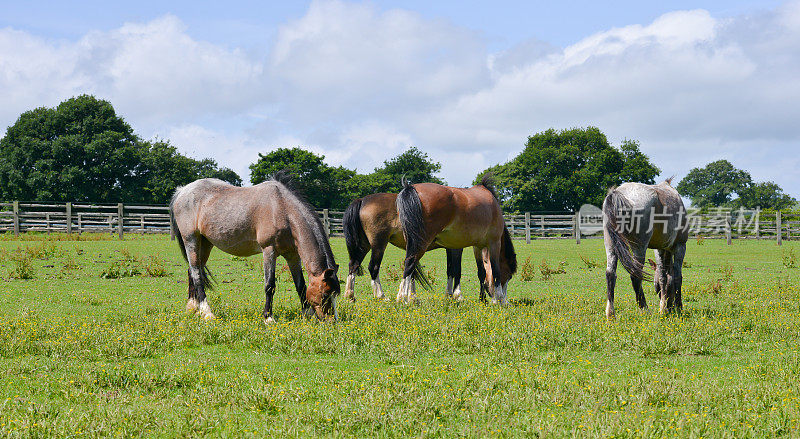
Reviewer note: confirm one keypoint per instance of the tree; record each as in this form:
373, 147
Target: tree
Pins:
83, 151
163, 168
714, 185
78, 151
322, 185
562, 170
766, 195
412, 164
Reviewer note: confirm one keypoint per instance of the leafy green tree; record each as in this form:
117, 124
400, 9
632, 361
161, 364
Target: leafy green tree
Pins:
766, 195
163, 168
82, 150
414, 164
79, 151
715, 184
562, 170
323, 185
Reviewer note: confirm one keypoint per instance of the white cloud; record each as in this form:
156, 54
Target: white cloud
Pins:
360, 85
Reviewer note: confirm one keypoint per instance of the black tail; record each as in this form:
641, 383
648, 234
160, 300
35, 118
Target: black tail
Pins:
620, 245
509, 252
206, 278
409, 208
354, 236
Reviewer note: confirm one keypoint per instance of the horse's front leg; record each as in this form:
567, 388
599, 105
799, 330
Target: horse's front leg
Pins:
481, 275
269, 282
296, 268
677, 277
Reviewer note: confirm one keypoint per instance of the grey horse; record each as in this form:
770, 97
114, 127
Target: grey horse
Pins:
639, 216
269, 218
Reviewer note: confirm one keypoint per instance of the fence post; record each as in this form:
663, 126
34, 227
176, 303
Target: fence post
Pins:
121, 220
141, 231
326, 222
577, 223
69, 218
16, 218
728, 227
80, 223
758, 223
527, 227
778, 225
47, 223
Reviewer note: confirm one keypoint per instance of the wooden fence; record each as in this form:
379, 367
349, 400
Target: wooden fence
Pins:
21, 217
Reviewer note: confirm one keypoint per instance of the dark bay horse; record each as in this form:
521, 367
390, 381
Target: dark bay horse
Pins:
269, 218
372, 223
432, 215
639, 216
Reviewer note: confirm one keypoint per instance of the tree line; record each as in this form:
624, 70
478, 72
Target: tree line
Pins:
81, 150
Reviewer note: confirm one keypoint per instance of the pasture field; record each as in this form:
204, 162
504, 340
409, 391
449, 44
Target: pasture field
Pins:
86, 355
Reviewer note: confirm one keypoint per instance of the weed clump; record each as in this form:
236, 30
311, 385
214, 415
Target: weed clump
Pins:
548, 271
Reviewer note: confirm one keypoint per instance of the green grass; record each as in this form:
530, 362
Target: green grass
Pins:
87, 355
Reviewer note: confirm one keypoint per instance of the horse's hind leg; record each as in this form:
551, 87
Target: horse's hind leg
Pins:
198, 248
677, 274
374, 267
491, 262
454, 273
269, 282
611, 279
639, 255
191, 302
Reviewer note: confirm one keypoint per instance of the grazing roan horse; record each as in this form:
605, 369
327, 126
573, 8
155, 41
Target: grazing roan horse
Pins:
639, 216
372, 223
269, 218
432, 215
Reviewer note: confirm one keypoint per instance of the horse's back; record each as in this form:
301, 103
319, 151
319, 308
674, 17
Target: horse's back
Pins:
237, 220
465, 216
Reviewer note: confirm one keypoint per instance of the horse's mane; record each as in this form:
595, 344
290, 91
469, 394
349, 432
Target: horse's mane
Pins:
284, 178
487, 181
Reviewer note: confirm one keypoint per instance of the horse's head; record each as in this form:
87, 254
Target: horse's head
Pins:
321, 294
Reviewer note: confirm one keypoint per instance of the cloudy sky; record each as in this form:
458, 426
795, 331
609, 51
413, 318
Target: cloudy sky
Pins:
465, 81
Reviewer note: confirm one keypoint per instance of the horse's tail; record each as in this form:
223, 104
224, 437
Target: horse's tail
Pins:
354, 236
508, 252
620, 245
174, 224
206, 277
409, 209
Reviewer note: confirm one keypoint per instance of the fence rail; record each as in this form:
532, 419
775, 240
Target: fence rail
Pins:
20, 217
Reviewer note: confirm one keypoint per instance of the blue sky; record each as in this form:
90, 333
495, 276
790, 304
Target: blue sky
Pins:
465, 81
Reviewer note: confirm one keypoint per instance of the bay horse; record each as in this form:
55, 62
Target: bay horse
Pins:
432, 215
372, 223
270, 218
639, 216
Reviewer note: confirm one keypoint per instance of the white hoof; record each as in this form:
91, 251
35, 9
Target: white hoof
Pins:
191, 305
609, 310
269, 321
205, 311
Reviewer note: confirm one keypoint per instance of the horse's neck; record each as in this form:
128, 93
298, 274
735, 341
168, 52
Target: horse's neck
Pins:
311, 242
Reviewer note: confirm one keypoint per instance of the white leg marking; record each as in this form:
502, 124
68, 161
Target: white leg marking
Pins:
411, 291
205, 311
191, 305
269, 321
401, 291
609, 309
377, 289
349, 288
457, 294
